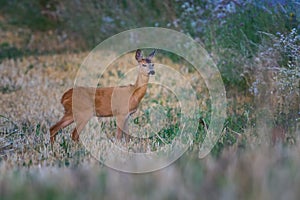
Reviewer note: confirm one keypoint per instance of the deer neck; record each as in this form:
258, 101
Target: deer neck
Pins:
141, 85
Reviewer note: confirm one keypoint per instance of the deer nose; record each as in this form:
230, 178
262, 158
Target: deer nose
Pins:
152, 72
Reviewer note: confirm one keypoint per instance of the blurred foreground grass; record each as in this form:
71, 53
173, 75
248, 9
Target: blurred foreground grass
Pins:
256, 46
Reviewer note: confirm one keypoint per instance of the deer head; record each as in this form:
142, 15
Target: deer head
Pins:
146, 67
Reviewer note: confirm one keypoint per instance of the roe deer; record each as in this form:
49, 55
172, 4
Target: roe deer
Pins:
120, 101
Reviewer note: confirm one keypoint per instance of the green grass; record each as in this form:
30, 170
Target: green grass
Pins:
9, 52
28, 14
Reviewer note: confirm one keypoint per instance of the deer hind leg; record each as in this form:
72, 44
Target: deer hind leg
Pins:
66, 120
81, 122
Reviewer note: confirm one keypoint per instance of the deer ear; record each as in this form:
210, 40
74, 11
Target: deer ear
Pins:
138, 55
151, 55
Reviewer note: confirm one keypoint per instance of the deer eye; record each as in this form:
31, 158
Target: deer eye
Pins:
144, 65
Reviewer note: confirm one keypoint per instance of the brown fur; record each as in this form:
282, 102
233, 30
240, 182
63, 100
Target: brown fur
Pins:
104, 102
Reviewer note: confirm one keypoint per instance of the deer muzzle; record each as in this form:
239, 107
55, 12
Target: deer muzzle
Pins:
151, 72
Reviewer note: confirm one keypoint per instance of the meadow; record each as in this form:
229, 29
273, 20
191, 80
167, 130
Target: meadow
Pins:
256, 47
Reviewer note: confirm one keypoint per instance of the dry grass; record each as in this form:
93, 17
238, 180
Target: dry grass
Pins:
30, 94
245, 163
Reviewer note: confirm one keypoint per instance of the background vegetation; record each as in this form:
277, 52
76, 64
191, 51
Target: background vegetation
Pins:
256, 45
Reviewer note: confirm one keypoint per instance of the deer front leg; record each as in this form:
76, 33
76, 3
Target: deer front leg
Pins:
122, 124
121, 119
125, 128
